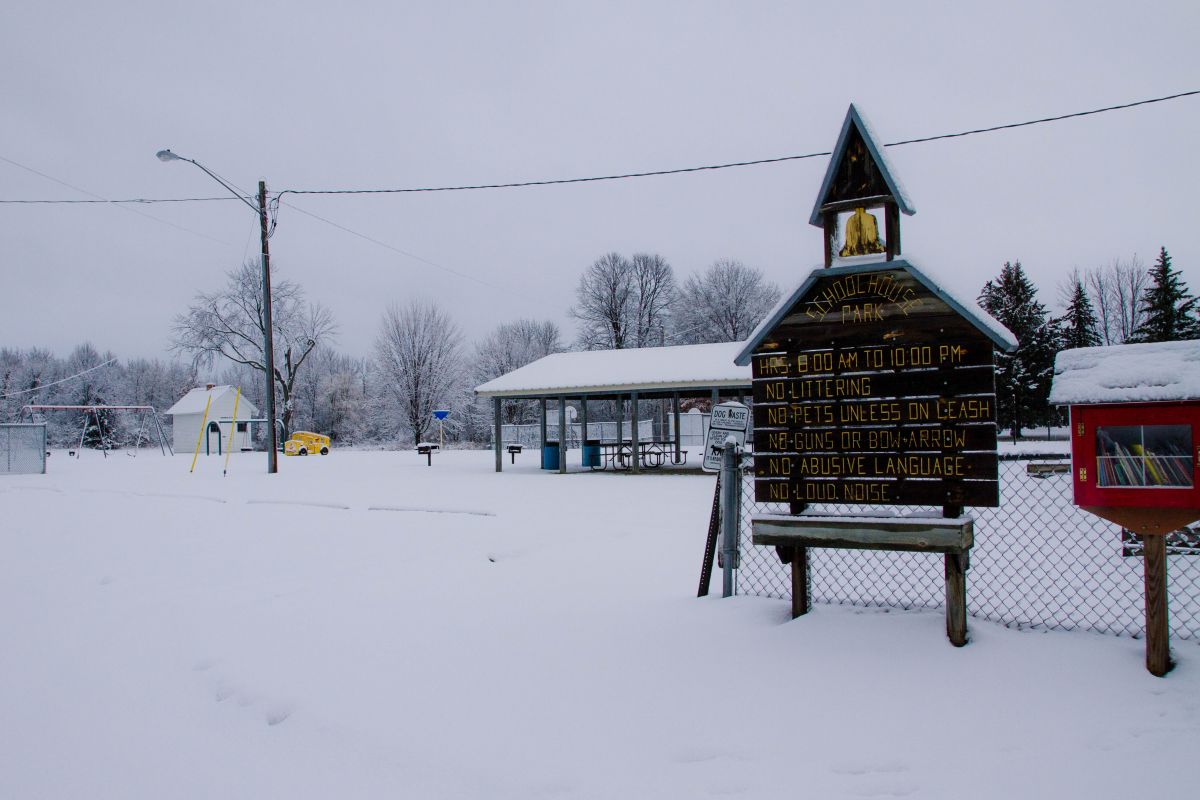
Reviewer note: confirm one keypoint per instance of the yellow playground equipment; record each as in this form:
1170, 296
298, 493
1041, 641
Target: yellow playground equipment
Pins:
304, 442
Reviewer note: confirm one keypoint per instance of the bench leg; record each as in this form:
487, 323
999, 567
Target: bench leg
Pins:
956, 598
799, 582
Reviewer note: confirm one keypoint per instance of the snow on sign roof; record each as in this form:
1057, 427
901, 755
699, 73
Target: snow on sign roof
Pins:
855, 118
1127, 373
984, 322
641, 369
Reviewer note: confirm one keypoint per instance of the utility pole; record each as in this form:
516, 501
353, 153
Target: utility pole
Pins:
268, 337
268, 332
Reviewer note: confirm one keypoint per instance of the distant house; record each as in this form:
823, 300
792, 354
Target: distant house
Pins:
188, 414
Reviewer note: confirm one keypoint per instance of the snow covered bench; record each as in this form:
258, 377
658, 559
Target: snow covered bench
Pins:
953, 537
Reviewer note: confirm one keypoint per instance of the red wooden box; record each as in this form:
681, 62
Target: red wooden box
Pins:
1136, 463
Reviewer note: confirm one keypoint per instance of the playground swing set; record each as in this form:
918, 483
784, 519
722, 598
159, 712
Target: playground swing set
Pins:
92, 420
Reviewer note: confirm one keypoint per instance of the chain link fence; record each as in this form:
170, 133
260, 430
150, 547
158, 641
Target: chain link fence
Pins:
22, 449
1039, 561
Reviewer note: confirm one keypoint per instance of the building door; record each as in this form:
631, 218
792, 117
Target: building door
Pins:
213, 440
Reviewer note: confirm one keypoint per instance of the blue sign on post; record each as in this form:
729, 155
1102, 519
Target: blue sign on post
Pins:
440, 414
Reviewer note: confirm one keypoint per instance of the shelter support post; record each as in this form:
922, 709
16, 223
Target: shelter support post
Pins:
678, 434
542, 406
620, 401
562, 435
583, 420
634, 436
498, 432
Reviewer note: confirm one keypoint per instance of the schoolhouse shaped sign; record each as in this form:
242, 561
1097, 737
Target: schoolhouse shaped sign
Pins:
872, 383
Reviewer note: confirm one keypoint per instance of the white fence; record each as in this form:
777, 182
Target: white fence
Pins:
693, 429
22, 449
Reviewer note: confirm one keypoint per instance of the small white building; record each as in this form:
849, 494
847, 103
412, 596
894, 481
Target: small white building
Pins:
188, 414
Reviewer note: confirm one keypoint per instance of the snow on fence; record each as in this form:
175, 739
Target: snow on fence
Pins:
22, 449
1038, 562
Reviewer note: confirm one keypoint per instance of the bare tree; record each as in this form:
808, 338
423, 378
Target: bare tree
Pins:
724, 303
228, 323
508, 347
1116, 291
418, 351
602, 303
624, 302
654, 298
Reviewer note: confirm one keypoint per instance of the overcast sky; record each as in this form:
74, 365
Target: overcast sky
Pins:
316, 95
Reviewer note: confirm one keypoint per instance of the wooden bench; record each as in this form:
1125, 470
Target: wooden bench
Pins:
1042, 469
952, 537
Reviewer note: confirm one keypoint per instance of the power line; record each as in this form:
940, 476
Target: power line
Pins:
650, 173
745, 163
56, 383
391, 247
99, 199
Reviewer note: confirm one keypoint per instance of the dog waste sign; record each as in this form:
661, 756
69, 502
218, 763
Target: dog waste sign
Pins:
728, 419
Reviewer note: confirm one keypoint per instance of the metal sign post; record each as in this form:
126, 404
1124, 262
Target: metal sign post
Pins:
440, 414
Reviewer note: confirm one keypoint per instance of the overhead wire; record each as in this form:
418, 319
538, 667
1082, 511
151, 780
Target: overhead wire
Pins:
56, 383
99, 199
650, 173
275, 201
387, 246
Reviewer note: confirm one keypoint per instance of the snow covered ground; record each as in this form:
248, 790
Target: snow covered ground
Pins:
524, 635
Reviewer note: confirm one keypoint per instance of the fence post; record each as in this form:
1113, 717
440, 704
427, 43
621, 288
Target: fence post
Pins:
731, 512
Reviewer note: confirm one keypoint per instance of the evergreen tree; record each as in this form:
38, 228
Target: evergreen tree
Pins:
1168, 309
1079, 326
1022, 377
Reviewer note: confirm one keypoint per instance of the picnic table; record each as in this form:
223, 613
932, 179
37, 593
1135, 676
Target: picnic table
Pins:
651, 455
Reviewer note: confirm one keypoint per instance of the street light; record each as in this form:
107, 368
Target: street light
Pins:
268, 339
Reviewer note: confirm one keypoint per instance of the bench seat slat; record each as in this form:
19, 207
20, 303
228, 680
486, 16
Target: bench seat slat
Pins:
866, 533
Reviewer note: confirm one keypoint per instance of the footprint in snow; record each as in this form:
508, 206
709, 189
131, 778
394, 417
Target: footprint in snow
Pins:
273, 712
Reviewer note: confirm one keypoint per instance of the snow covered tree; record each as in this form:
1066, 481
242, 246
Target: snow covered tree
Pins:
509, 346
418, 352
1168, 309
1022, 377
94, 387
624, 302
1078, 326
724, 304
228, 324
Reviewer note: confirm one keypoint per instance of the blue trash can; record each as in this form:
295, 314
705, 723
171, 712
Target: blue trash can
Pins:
550, 455
591, 453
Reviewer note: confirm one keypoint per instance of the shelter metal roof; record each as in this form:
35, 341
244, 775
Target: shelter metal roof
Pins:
696, 366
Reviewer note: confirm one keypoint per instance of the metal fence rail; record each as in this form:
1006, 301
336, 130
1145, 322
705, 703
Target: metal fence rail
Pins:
1039, 561
22, 449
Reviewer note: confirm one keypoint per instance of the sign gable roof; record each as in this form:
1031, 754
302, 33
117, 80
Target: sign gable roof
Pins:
855, 125
984, 322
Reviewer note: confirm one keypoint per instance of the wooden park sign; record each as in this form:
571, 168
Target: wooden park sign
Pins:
873, 385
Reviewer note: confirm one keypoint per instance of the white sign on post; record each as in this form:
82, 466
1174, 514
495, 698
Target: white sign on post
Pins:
728, 419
